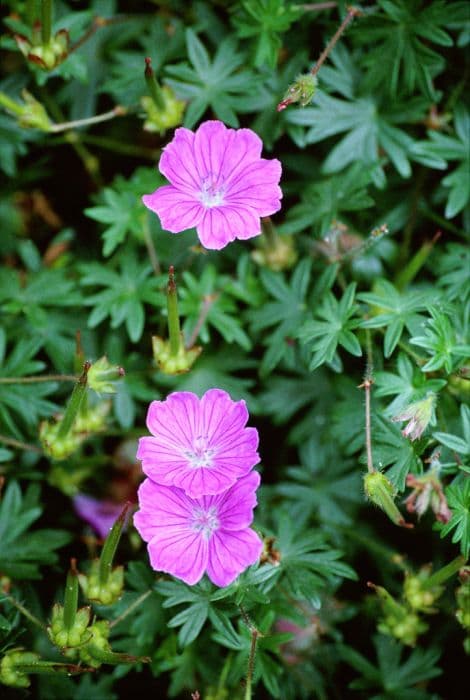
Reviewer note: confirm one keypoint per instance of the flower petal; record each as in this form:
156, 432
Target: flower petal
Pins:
164, 522
219, 152
230, 553
221, 225
257, 187
177, 162
235, 508
177, 210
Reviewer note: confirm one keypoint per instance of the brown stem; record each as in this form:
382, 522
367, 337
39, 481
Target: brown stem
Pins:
352, 12
38, 379
206, 306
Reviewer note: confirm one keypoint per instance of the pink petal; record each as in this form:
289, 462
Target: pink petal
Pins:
219, 151
257, 188
177, 162
221, 225
177, 210
220, 415
181, 553
230, 553
164, 522
235, 508
206, 481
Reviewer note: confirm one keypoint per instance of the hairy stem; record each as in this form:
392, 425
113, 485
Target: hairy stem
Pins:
352, 12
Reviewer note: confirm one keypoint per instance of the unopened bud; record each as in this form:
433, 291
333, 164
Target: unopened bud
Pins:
10, 668
69, 636
380, 491
105, 593
102, 376
302, 90
174, 364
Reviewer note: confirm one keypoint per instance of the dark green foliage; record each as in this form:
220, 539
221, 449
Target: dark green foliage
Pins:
352, 305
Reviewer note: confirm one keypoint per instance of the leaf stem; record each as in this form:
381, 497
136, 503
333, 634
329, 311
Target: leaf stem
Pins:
366, 385
174, 330
446, 572
251, 658
209, 299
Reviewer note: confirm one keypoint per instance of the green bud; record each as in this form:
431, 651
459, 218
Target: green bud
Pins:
98, 641
92, 419
105, 593
102, 376
463, 598
10, 668
173, 364
160, 120
380, 491
419, 596
58, 447
65, 635
302, 90
398, 621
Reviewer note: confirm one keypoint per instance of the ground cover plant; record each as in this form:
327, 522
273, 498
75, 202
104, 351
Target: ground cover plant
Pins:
234, 350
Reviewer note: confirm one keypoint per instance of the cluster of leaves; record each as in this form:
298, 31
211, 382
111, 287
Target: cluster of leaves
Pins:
372, 278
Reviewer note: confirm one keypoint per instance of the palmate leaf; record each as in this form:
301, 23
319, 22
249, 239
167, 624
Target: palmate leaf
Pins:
441, 148
217, 83
286, 312
124, 294
393, 450
367, 116
265, 20
335, 328
458, 499
441, 341
23, 405
394, 677
397, 41
394, 310
23, 551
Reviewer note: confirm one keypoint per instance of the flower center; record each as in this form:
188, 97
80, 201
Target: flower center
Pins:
212, 194
200, 455
205, 521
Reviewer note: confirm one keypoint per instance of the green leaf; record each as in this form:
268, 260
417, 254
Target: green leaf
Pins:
22, 550
458, 499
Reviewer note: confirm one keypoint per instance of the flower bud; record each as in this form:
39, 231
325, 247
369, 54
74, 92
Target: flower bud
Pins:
102, 376
107, 592
69, 637
301, 90
418, 595
160, 120
419, 414
58, 447
10, 668
398, 620
169, 363
380, 491
46, 56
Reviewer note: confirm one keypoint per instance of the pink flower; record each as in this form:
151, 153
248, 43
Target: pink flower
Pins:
188, 537
100, 515
219, 184
199, 445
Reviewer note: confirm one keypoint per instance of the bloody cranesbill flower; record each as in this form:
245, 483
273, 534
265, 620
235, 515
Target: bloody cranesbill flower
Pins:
199, 445
190, 536
100, 515
219, 184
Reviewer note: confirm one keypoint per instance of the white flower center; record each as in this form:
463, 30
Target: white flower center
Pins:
205, 521
212, 194
200, 455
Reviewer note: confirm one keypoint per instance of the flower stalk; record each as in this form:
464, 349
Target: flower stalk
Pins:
110, 545
174, 330
71, 596
153, 87
46, 21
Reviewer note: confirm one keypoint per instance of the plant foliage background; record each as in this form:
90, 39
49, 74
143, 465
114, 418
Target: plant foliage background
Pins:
365, 275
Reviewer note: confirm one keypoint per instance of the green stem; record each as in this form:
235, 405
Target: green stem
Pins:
46, 21
10, 105
117, 111
408, 273
32, 618
74, 404
153, 87
130, 609
446, 572
30, 12
251, 663
119, 147
110, 545
174, 329
71, 596
39, 379
150, 245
